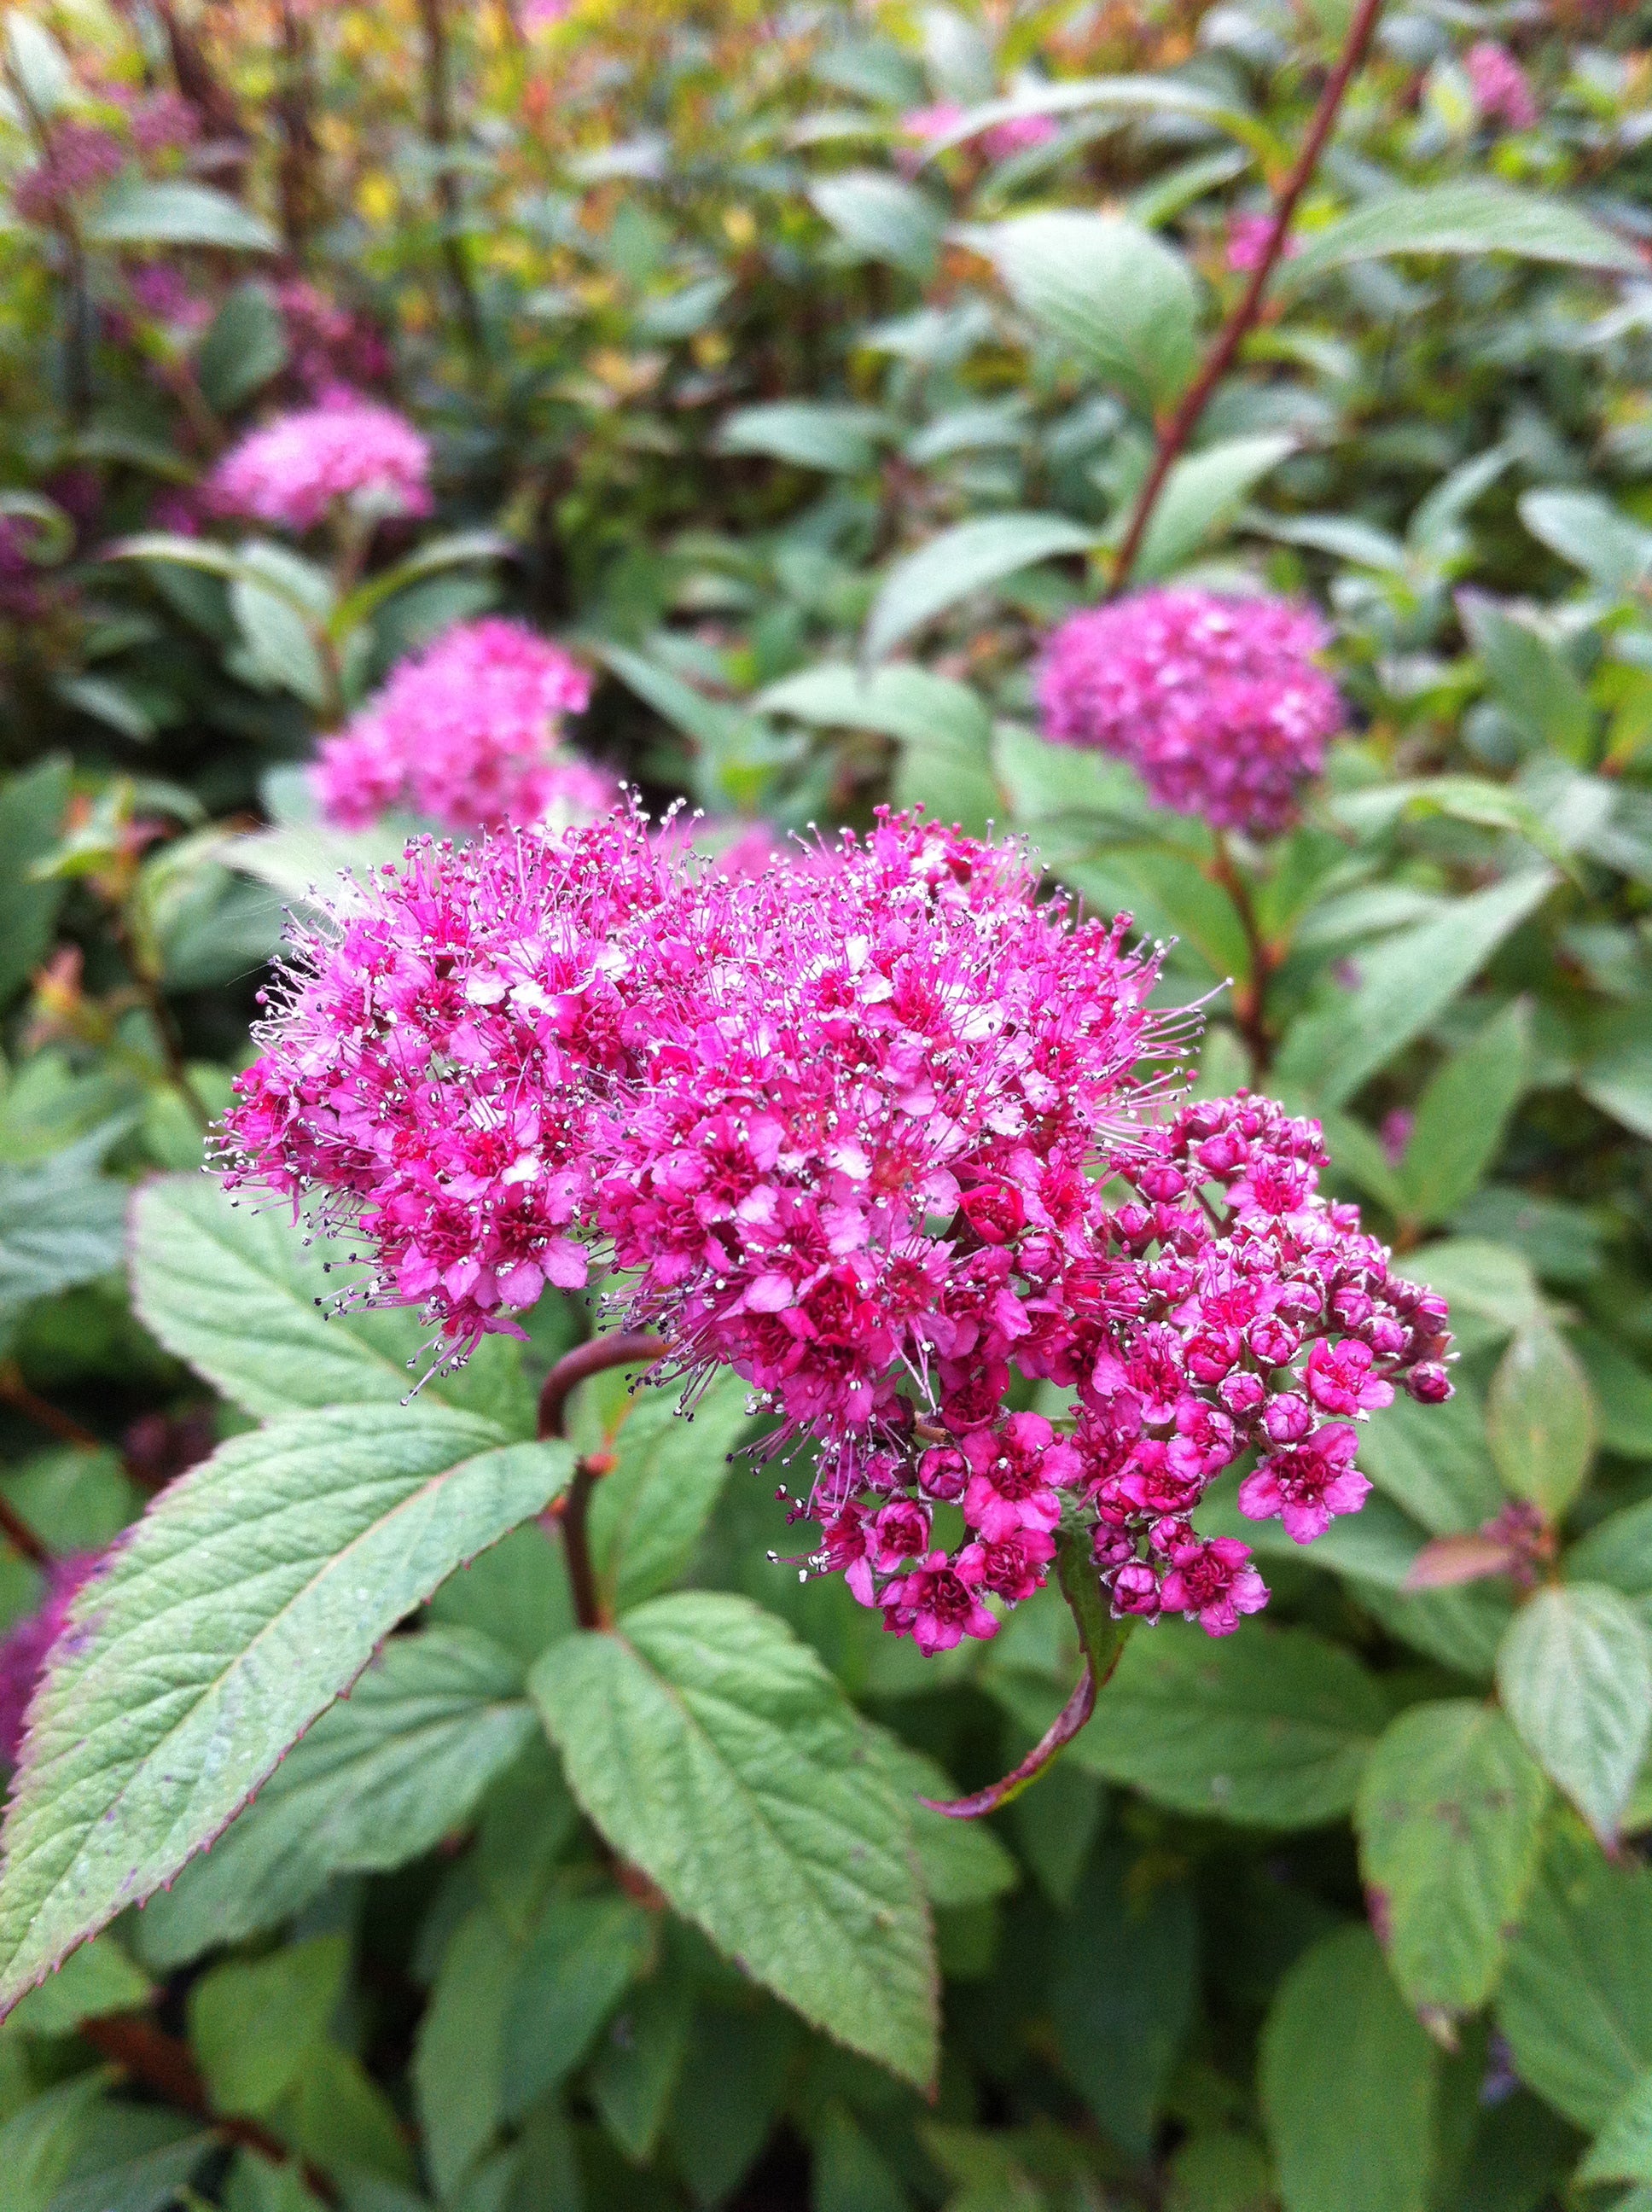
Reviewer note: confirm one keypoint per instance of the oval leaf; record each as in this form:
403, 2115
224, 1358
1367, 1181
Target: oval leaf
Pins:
1448, 1816
963, 560
1539, 1419
252, 1592
715, 1752
1576, 1677
175, 212
1466, 218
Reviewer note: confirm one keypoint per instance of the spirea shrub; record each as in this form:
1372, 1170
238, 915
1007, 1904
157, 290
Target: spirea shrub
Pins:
1217, 702
882, 1136
467, 732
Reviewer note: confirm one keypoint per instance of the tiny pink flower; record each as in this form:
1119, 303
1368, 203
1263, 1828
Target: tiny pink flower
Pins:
938, 1603
1307, 1485
296, 469
1502, 91
1213, 1583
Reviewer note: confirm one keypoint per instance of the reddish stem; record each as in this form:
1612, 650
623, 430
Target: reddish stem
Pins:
1060, 1732
45, 1415
1250, 996
163, 2064
21, 1538
633, 1346
1180, 427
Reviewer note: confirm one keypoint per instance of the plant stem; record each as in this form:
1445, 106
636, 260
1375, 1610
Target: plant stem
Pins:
1102, 1639
439, 129
1250, 996
572, 1511
163, 2064
1180, 427
21, 1538
16, 1393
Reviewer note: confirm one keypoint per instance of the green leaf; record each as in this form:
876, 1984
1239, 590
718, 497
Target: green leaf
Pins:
1125, 95
280, 642
1349, 2084
1473, 217
1575, 2001
634, 2074
458, 2062
456, 549
650, 1510
98, 1978
61, 1222
244, 347
1119, 298
1533, 680
1202, 495
1449, 1815
253, 2025
1270, 1729
707, 724
1462, 1116
1575, 1675
897, 701
962, 561
1120, 2031
238, 1291
883, 218
38, 2143
177, 212
1539, 1419
1619, 1082
1434, 1461
586, 1953
384, 1776
961, 1862
1405, 983
1623, 1395
252, 1592
1623, 2150
1589, 531
31, 807
40, 64
715, 1752
1491, 1282
1617, 1551
842, 440
130, 2158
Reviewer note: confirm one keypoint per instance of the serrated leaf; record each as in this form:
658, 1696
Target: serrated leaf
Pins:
131, 2158
1271, 1729
1623, 2150
1539, 1419
384, 1776
1575, 1675
38, 2142
713, 1751
1349, 2084
965, 559
1119, 298
97, 1978
650, 1510
1472, 217
961, 1862
1449, 1819
175, 211
1575, 2001
252, 2023
1202, 495
31, 807
239, 1292
252, 1592
458, 2078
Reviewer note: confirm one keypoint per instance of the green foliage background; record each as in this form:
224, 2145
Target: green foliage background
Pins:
804, 446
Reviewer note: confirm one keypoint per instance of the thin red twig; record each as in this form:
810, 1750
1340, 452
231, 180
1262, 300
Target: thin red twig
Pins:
627, 1347
1180, 427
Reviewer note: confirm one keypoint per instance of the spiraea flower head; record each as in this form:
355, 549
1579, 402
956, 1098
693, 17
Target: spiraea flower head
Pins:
1216, 701
467, 733
887, 1137
294, 470
1502, 91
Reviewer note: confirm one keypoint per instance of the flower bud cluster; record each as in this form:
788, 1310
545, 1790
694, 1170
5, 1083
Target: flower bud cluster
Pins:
1215, 701
466, 732
893, 1141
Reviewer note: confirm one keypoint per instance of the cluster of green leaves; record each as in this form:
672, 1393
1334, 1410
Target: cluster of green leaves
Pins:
402, 1890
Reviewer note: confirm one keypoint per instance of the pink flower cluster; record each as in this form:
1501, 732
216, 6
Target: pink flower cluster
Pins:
883, 1138
466, 733
1250, 238
294, 470
1502, 91
1215, 701
998, 142
25, 1645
